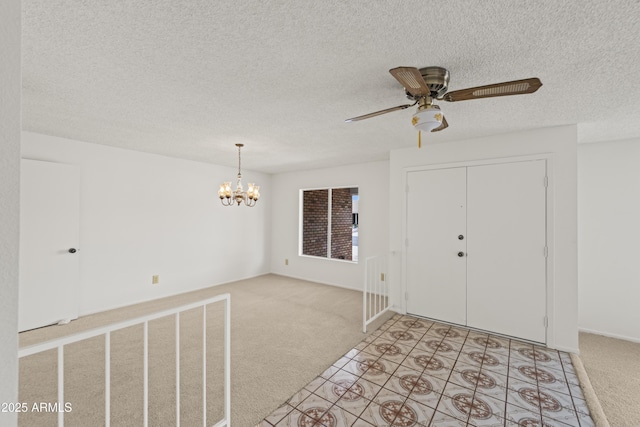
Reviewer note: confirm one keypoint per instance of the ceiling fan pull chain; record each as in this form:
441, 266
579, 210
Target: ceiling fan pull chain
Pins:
419, 139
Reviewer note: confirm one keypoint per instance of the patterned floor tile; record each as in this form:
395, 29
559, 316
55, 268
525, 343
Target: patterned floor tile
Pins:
443, 420
313, 385
440, 367
465, 377
413, 413
376, 376
456, 407
553, 385
548, 422
585, 420
524, 396
452, 389
277, 415
294, 419
352, 353
376, 350
524, 371
357, 367
406, 370
381, 415
428, 398
580, 406
365, 388
353, 403
341, 362
343, 376
314, 406
362, 345
490, 421
329, 372
336, 417
437, 384
331, 391
518, 416
482, 402
298, 397
497, 392
401, 385
413, 372
361, 423
386, 395
417, 360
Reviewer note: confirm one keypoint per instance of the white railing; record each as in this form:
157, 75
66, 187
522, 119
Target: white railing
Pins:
375, 297
106, 331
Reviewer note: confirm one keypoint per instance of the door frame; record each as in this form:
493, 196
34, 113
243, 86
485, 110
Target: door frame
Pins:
550, 229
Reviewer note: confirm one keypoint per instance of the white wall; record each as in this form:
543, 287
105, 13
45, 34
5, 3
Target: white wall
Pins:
609, 226
10, 87
372, 180
561, 142
144, 214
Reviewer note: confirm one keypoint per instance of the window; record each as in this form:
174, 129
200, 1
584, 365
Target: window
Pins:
329, 223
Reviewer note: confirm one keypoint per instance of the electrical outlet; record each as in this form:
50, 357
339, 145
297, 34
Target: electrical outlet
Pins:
286, 261
155, 279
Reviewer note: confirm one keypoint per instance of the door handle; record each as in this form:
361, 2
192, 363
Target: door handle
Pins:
460, 254
73, 250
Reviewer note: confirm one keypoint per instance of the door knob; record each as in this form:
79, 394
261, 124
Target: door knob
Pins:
72, 250
460, 254
460, 237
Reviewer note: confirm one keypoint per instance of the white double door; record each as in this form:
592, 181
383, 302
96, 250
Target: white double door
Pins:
476, 247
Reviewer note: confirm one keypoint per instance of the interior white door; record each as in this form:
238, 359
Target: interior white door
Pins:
436, 275
49, 233
506, 264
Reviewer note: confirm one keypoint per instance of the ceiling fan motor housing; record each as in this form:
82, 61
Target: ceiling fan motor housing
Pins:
437, 79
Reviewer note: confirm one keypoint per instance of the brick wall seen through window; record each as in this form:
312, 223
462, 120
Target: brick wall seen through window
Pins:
330, 223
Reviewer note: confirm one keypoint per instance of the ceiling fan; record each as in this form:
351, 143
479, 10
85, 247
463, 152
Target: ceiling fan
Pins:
427, 84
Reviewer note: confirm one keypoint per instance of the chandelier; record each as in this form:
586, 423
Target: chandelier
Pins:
229, 196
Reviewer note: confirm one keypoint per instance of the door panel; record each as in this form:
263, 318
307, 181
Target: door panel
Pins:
506, 265
49, 227
436, 275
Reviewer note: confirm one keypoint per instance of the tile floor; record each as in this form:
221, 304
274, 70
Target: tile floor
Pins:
414, 372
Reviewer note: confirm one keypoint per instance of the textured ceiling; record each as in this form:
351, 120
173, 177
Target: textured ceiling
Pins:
191, 78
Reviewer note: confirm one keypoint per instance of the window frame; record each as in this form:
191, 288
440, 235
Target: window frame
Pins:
329, 216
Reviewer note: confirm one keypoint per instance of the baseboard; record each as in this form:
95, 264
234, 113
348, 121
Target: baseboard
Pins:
610, 335
142, 301
337, 285
573, 350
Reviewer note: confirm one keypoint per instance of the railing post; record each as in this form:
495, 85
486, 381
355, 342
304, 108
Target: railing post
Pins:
227, 361
178, 369
61, 385
107, 379
146, 374
204, 365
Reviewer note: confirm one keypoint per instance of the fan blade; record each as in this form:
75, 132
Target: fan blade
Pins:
516, 87
444, 125
412, 81
377, 113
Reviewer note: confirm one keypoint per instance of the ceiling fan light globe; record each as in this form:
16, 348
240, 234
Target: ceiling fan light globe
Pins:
427, 119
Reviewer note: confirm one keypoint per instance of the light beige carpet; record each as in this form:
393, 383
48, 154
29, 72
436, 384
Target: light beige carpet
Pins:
613, 367
284, 333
